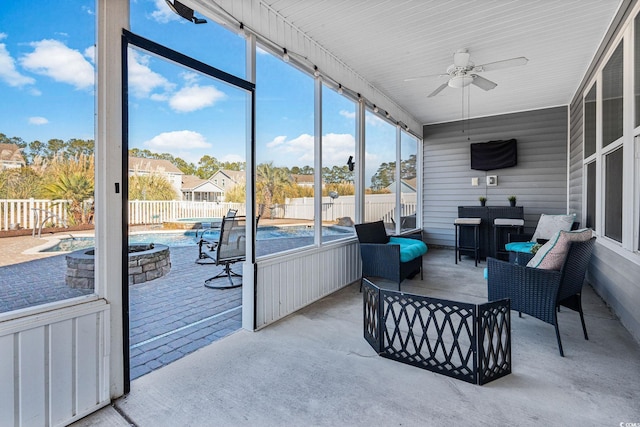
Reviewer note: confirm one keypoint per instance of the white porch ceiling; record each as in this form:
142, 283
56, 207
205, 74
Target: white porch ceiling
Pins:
387, 41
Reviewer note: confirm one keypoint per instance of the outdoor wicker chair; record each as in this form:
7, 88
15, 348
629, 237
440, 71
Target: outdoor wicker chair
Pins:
539, 292
382, 257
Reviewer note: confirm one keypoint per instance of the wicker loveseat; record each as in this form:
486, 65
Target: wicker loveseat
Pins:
391, 258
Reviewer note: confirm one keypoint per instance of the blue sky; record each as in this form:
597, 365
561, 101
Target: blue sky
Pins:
47, 89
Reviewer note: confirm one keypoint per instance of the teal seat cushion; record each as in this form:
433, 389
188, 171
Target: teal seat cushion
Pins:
520, 247
409, 248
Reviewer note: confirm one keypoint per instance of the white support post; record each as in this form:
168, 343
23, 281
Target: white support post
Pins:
317, 179
360, 162
398, 209
113, 16
248, 268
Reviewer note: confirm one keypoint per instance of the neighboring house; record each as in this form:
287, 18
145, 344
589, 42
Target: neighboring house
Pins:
227, 179
302, 180
142, 166
200, 190
407, 186
11, 157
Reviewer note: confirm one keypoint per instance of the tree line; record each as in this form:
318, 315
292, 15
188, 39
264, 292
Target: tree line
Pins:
37, 151
61, 169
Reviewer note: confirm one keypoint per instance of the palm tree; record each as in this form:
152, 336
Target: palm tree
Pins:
76, 188
70, 179
270, 185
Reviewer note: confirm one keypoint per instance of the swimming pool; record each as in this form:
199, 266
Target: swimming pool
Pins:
191, 237
191, 223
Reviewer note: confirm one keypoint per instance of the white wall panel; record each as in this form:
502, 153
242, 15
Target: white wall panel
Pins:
287, 283
87, 359
61, 362
54, 365
31, 377
7, 381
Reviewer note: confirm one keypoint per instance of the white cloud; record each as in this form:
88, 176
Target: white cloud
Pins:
192, 98
163, 14
90, 53
160, 97
336, 149
143, 81
278, 140
54, 59
348, 114
177, 140
190, 77
8, 72
374, 120
38, 121
369, 118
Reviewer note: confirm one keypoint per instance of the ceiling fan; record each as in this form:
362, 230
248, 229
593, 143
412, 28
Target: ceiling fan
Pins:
463, 72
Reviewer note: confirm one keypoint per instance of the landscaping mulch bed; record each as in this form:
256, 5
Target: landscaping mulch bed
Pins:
49, 230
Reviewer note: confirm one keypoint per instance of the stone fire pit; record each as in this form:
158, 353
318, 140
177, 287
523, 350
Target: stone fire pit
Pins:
146, 262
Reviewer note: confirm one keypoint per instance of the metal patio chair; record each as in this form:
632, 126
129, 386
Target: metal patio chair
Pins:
229, 249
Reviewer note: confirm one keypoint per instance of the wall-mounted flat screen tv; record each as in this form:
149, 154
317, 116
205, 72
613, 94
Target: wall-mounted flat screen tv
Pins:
486, 156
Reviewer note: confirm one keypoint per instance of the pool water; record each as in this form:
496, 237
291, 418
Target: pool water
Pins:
69, 244
191, 237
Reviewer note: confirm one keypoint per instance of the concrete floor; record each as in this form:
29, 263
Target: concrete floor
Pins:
315, 369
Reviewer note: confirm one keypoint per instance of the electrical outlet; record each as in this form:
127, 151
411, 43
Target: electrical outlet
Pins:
474, 182
492, 180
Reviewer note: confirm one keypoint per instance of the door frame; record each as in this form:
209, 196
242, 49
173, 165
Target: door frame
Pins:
129, 38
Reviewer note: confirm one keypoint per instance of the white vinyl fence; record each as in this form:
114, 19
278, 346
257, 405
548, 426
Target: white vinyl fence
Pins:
157, 212
29, 213
377, 206
16, 214
19, 213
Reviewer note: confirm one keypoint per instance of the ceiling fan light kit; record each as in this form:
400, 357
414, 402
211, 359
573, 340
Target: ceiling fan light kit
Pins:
460, 81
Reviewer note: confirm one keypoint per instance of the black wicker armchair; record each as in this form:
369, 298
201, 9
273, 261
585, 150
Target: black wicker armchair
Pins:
380, 259
539, 292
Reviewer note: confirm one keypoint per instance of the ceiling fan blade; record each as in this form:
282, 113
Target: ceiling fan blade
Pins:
498, 65
430, 76
483, 83
438, 90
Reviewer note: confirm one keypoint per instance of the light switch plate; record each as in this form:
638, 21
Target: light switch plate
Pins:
474, 182
492, 180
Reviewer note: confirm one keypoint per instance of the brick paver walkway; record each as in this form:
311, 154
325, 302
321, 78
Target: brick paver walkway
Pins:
176, 314
169, 317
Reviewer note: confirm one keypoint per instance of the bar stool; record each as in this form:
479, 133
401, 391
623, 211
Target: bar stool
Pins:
467, 222
499, 226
